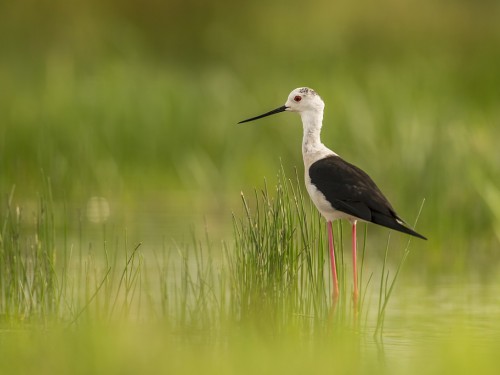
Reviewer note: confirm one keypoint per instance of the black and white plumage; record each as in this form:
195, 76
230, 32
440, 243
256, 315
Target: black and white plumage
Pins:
351, 191
338, 189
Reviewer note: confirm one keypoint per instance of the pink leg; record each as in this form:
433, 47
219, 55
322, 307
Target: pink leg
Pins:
332, 263
354, 266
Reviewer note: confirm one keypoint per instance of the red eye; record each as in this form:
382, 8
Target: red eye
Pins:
298, 98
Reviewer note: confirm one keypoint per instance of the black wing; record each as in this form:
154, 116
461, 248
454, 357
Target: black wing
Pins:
351, 190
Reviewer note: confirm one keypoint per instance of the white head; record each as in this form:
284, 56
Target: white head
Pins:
302, 100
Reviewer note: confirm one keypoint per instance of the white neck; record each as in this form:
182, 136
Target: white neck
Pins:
312, 148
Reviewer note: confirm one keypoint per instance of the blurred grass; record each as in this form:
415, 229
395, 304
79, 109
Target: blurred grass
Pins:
143, 348
137, 102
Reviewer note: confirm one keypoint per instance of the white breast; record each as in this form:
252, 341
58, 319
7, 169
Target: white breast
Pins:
321, 203
313, 150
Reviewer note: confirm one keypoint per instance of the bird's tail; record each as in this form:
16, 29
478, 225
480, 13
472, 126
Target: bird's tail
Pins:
394, 223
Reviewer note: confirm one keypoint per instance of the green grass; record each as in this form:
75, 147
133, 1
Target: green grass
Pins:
272, 283
276, 268
262, 304
275, 274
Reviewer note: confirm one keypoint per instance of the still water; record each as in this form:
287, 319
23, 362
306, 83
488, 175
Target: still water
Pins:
451, 314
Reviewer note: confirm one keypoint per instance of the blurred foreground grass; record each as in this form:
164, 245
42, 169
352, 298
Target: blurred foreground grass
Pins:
143, 348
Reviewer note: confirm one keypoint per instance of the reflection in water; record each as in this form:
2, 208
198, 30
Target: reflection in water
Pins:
420, 318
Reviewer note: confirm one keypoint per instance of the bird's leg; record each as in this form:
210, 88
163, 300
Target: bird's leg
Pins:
335, 293
355, 268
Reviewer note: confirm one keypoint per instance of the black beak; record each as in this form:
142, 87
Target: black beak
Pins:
274, 111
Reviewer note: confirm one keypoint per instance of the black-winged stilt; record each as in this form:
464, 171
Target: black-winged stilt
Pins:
339, 189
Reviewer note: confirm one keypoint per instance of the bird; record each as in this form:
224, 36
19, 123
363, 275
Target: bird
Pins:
338, 189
